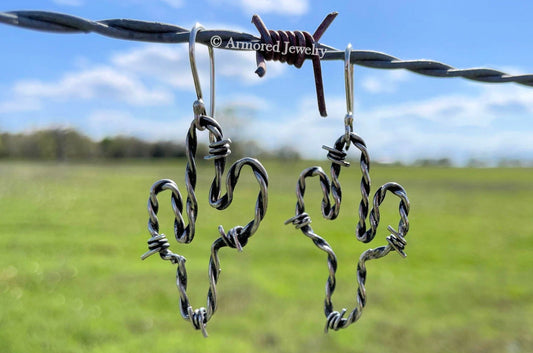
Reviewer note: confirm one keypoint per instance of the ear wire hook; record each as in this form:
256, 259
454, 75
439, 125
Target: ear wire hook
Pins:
348, 82
197, 85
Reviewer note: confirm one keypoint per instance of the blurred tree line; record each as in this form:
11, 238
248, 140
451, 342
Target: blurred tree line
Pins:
69, 144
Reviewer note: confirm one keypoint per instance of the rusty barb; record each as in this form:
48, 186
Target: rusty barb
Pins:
293, 47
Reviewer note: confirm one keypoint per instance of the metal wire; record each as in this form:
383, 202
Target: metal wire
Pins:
334, 319
337, 154
136, 30
238, 236
292, 49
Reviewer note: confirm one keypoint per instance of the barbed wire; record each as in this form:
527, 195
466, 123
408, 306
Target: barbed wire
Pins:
156, 32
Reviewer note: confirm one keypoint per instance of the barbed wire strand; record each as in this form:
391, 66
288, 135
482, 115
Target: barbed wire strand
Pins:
136, 30
236, 237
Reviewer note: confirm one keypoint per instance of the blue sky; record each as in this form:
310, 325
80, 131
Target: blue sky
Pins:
105, 86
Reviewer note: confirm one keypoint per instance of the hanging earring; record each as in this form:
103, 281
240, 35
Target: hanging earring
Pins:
332, 189
238, 236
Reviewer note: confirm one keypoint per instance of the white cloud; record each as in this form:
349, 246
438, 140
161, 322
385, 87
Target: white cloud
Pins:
245, 101
102, 123
280, 7
163, 63
461, 110
372, 85
511, 70
455, 126
385, 81
20, 104
242, 65
171, 65
303, 129
283, 7
174, 3
144, 76
95, 83
69, 2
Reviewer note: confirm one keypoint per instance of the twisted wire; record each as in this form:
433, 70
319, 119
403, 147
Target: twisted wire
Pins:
158, 242
331, 282
328, 211
336, 155
237, 237
335, 320
136, 30
396, 239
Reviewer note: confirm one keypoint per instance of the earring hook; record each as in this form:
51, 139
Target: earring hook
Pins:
197, 85
348, 82
348, 78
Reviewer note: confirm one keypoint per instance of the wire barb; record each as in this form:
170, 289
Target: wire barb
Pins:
335, 320
336, 156
396, 241
219, 149
231, 239
156, 244
293, 47
198, 319
299, 221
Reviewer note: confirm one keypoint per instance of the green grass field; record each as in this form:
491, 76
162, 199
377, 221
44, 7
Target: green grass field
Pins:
71, 278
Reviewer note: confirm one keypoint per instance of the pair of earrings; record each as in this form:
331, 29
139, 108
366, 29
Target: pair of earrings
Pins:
238, 236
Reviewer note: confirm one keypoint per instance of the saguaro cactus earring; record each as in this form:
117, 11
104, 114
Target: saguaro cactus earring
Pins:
396, 240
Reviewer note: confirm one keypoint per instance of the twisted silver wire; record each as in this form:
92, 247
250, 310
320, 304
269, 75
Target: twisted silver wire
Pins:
237, 237
328, 211
334, 319
337, 156
136, 30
